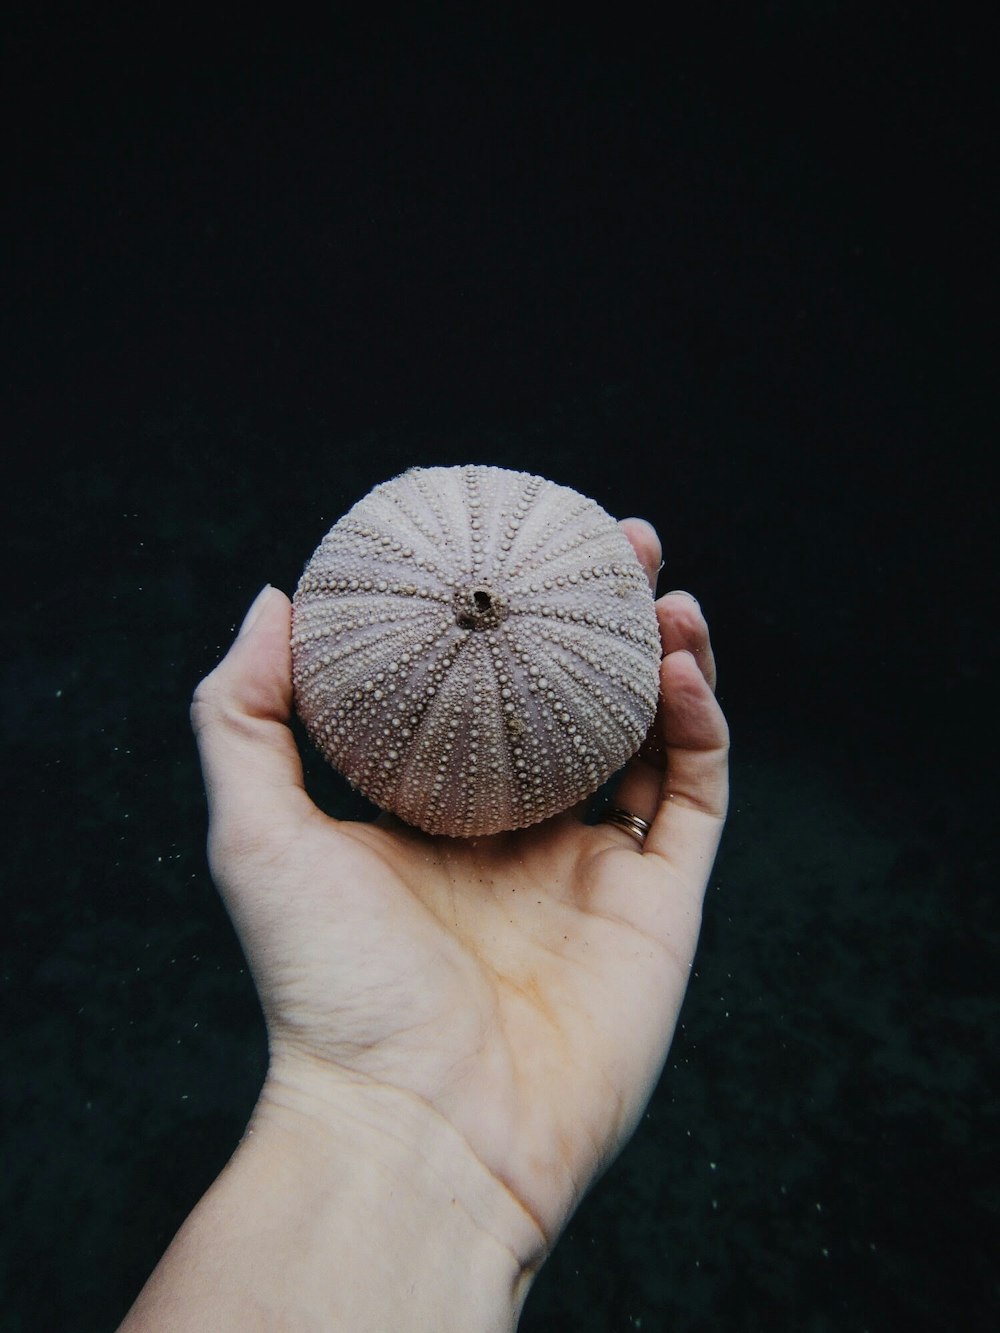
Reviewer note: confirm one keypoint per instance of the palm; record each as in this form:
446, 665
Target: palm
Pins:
502, 981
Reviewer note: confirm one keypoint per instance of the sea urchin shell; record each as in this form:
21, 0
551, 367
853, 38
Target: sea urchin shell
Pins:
475, 649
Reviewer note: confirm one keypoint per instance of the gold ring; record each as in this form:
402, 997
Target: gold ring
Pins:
631, 824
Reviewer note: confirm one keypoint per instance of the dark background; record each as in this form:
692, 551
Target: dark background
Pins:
731, 273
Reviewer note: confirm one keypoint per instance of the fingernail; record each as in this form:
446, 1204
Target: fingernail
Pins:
255, 609
682, 592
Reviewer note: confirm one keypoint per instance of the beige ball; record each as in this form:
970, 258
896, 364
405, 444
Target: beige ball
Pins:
475, 649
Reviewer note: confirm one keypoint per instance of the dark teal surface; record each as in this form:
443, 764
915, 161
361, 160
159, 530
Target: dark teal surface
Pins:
733, 282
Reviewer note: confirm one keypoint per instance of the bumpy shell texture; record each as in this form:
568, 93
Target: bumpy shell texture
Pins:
475, 649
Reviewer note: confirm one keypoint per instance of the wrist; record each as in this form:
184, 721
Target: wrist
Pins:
392, 1197
346, 1207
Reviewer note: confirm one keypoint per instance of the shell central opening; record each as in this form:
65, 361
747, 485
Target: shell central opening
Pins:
479, 607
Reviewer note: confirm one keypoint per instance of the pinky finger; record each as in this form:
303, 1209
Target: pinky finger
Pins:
694, 789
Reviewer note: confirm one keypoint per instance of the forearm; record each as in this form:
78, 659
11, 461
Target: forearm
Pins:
360, 1223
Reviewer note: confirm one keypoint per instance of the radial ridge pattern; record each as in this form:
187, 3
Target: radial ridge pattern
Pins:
475, 649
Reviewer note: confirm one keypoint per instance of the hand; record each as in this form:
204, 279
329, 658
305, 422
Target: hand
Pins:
526, 985
486, 1017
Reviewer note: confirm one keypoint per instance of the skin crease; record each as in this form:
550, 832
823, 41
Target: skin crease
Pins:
516, 994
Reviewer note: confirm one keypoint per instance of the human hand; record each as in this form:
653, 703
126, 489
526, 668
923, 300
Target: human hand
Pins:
523, 987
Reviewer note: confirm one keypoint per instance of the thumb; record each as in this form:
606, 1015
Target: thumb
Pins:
240, 713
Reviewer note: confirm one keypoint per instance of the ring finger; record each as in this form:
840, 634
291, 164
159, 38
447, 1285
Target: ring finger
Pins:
682, 627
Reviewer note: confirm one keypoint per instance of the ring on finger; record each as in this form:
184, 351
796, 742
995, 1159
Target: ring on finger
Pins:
629, 823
